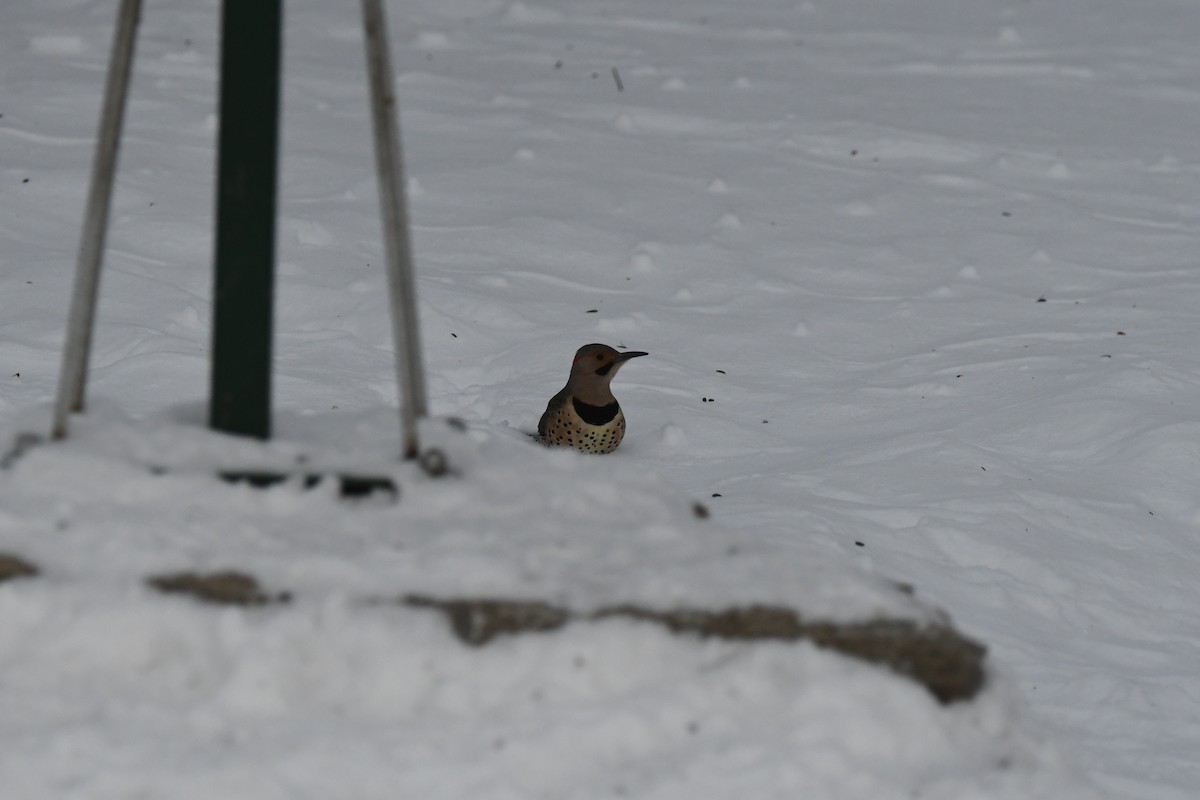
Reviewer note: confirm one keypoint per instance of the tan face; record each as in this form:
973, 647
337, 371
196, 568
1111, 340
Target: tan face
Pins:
600, 360
597, 359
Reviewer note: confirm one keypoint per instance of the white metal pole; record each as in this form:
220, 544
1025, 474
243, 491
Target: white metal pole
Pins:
95, 222
398, 249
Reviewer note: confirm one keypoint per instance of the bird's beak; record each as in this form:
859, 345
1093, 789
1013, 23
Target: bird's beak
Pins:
628, 355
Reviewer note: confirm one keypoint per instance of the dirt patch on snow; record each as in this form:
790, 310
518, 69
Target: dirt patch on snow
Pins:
15, 567
942, 660
221, 588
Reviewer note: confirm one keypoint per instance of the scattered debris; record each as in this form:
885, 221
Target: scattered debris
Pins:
350, 486
433, 461
617, 78
257, 479
359, 486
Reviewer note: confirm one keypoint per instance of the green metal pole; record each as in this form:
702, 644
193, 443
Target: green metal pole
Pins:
247, 155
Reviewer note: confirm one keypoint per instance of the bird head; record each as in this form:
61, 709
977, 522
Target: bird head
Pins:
594, 367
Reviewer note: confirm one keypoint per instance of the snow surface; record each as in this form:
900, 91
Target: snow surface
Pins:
919, 285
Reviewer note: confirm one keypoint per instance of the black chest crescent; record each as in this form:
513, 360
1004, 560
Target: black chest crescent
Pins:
595, 415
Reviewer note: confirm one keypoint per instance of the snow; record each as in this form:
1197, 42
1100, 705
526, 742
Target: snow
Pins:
919, 287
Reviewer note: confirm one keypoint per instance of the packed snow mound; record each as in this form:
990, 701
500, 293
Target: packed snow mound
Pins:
345, 692
511, 520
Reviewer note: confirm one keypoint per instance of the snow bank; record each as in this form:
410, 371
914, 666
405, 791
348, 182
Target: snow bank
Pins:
115, 690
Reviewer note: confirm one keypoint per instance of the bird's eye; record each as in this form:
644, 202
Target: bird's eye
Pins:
599, 356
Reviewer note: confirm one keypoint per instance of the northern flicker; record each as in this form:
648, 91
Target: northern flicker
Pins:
585, 415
